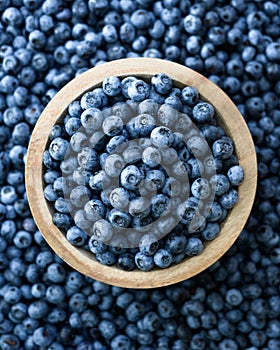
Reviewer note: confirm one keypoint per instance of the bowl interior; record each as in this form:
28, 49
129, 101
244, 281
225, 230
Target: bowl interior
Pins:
228, 117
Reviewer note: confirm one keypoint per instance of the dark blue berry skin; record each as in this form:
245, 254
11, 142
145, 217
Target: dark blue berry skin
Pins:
112, 126
163, 258
161, 83
201, 188
176, 243
186, 211
223, 148
141, 19
157, 29
106, 258
131, 177
112, 86
93, 99
194, 247
159, 205
126, 262
76, 236
96, 246
144, 262
119, 218
88, 159
58, 148
203, 112
138, 90
162, 137
235, 175
62, 221
141, 126
229, 199
211, 231
148, 244
72, 125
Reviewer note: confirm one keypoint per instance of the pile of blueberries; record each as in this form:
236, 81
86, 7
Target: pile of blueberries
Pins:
46, 305
138, 183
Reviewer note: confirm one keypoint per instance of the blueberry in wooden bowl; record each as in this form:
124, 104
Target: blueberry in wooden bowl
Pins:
141, 173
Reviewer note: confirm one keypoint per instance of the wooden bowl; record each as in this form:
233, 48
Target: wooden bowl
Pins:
229, 118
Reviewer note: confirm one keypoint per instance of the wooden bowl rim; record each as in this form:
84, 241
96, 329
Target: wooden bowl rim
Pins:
236, 128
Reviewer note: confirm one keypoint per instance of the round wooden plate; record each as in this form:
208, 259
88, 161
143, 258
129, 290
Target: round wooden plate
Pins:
229, 118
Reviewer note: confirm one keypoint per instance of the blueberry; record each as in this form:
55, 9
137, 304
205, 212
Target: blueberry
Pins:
79, 196
211, 231
9, 339
176, 242
194, 247
88, 159
102, 230
94, 210
56, 272
172, 187
109, 33
120, 342
234, 297
141, 19
190, 95
215, 212
119, 218
142, 125
162, 83
159, 205
273, 52
187, 210
72, 125
166, 308
236, 175
144, 262
151, 156
96, 246
203, 112
148, 244
126, 262
138, 90
220, 184
223, 148
197, 146
76, 236
200, 188
106, 258
155, 180
132, 154
131, 177
162, 137
58, 148
12, 116
139, 207
91, 119
229, 199
112, 125
112, 86
114, 165
167, 114
93, 99
139, 44
8, 195
170, 16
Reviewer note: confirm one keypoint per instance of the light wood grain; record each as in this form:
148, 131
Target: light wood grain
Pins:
229, 117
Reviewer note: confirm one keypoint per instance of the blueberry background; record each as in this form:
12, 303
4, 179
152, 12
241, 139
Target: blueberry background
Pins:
44, 304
